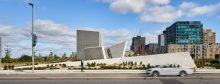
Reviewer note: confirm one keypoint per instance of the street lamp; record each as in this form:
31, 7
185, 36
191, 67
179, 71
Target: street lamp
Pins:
32, 33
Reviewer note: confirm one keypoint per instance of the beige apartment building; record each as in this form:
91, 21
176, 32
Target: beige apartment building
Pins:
198, 51
208, 36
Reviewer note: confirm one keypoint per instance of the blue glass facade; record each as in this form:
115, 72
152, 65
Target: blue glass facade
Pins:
185, 32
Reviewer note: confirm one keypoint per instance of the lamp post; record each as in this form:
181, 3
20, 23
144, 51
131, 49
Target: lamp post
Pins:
32, 33
0, 53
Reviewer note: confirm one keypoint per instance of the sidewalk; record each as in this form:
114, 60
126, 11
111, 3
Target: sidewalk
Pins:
207, 71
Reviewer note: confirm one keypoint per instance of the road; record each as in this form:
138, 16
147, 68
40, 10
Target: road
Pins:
153, 81
106, 78
102, 75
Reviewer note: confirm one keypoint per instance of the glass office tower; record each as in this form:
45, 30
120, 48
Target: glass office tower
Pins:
185, 32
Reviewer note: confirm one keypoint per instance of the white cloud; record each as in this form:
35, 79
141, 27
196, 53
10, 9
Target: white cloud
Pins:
187, 5
160, 11
161, 14
149, 10
125, 6
201, 10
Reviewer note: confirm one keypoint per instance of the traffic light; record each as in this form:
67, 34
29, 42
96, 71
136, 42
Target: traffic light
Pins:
34, 39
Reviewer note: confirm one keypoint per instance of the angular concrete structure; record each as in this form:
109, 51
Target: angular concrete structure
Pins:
93, 53
181, 58
86, 39
116, 51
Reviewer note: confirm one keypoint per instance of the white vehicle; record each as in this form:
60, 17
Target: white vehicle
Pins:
179, 71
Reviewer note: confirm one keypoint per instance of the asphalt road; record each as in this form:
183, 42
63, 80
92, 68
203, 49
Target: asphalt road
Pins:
153, 81
101, 75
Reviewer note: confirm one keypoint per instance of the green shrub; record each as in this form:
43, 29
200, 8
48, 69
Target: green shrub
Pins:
12, 67
35, 63
5, 67
48, 66
217, 66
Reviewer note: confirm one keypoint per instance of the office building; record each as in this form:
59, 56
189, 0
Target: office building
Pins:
161, 43
137, 45
184, 32
161, 40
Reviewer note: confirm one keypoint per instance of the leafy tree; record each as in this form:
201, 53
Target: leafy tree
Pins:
7, 58
73, 57
39, 58
25, 58
64, 58
50, 58
56, 58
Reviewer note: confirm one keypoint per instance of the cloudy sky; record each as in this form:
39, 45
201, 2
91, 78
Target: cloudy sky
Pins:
56, 21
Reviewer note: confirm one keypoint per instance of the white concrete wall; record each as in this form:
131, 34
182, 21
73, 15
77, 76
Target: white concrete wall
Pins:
182, 58
116, 51
92, 53
86, 39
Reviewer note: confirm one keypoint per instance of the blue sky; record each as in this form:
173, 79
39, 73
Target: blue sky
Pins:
118, 20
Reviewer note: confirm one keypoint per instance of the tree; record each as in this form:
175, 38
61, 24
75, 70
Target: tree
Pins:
39, 58
50, 58
64, 58
25, 58
73, 57
7, 58
56, 58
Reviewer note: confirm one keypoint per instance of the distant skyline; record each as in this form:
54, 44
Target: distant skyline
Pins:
56, 21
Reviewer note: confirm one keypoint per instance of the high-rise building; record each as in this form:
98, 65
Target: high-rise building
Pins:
208, 36
137, 45
86, 39
161, 40
184, 32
